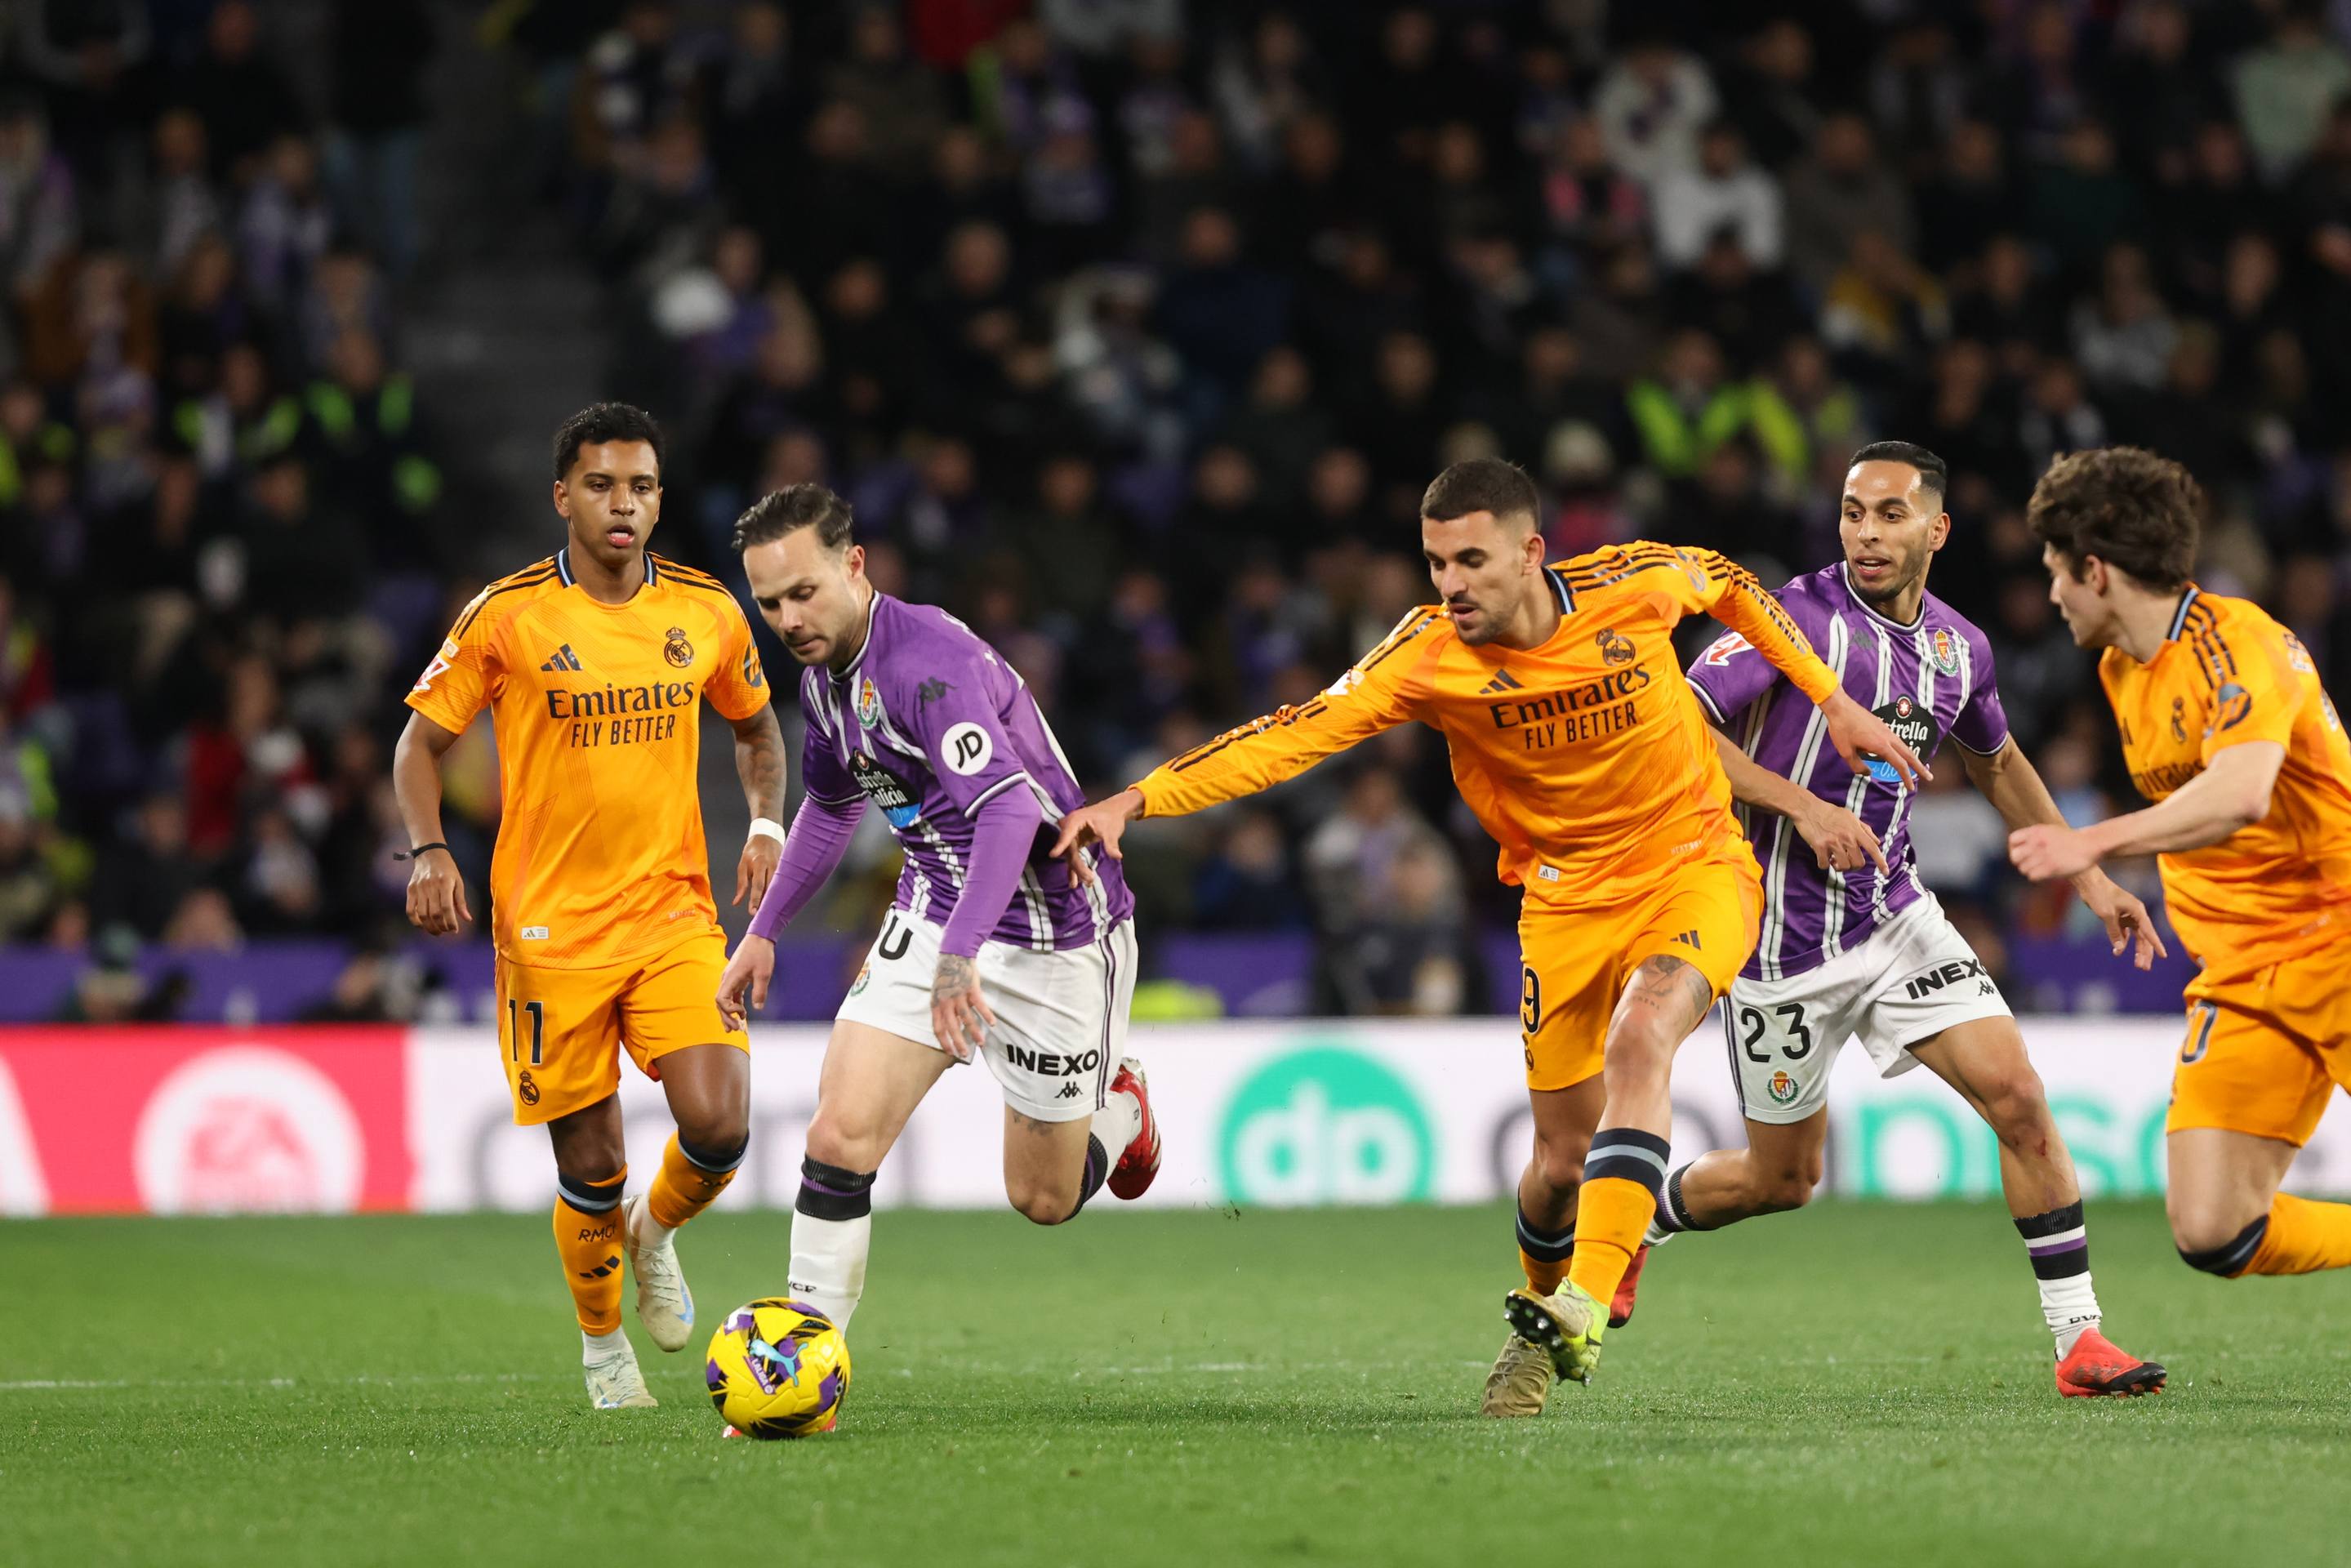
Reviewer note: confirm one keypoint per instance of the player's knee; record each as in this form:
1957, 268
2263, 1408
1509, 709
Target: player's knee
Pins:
1042, 1203
715, 1133
2015, 1105
2216, 1238
1559, 1164
846, 1141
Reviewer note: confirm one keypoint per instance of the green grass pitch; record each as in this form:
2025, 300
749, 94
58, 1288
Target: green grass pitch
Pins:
1855, 1384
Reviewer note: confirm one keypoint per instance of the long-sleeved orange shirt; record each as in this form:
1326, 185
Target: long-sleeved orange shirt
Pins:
1587, 758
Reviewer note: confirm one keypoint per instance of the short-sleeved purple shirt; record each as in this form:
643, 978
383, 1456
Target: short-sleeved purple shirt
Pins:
1927, 680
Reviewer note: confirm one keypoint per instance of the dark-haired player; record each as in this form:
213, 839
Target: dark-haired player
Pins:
593, 663
1575, 742
990, 949
1853, 942
2227, 730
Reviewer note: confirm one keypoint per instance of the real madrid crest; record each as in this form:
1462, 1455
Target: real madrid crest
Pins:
869, 703
1942, 650
675, 648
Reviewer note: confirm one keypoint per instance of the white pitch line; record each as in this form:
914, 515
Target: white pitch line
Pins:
38, 1385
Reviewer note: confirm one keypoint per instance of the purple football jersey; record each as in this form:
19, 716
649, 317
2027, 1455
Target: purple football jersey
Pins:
929, 724
1927, 680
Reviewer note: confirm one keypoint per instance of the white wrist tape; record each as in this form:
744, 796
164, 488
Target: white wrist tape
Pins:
762, 828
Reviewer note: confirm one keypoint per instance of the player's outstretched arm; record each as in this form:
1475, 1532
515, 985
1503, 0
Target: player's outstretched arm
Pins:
1380, 690
760, 763
436, 894
2008, 780
1840, 840
2232, 792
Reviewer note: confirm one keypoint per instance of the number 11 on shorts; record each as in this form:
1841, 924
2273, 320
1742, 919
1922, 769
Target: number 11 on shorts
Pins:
538, 1012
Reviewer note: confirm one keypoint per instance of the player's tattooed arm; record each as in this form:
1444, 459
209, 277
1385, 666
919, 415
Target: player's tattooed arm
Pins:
759, 762
960, 1015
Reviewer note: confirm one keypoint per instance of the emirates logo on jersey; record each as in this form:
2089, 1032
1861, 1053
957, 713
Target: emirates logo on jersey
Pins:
675, 648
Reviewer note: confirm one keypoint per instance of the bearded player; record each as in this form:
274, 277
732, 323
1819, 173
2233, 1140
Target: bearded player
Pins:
1574, 740
1852, 942
2227, 730
990, 949
593, 665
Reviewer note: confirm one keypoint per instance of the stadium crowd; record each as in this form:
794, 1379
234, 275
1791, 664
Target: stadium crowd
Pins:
1133, 329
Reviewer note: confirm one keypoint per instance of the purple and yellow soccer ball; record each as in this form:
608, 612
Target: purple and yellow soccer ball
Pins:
777, 1369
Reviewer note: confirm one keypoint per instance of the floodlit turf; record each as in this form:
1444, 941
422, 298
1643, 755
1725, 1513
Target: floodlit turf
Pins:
1855, 1384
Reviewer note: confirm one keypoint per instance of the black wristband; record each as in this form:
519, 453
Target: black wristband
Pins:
419, 850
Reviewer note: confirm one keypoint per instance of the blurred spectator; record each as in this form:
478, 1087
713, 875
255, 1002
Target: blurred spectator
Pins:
1651, 104
1839, 189
376, 99
2285, 88
1722, 190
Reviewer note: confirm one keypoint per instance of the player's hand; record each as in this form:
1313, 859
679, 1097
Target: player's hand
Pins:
1840, 840
751, 967
437, 895
756, 869
960, 1015
2127, 920
1859, 735
1099, 823
2046, 851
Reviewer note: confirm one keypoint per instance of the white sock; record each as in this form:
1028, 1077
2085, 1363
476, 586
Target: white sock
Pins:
1118, 1122
827, 1268
2071, 1307
601, 1347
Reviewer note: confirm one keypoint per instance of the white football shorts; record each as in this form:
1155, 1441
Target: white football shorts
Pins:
1060, 1018
1912, 978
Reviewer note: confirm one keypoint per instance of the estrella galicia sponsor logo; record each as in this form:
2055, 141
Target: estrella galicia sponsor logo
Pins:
900, 808
1941, 975
1325, 1124
1914, 726
675, 648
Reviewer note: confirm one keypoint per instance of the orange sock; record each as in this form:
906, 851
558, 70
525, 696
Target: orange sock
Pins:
689, 1180
2303, 1238
588, 1239
1543, 1254
1611, 1215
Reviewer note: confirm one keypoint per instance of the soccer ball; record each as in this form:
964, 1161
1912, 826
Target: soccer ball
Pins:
777, 1369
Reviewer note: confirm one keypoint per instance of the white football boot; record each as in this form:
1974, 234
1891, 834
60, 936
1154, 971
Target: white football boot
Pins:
615, 1383
663, 1304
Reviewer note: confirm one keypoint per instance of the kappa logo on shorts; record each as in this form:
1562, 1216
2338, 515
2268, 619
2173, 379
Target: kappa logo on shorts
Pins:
1069, 1091
525, 1089
1951, 973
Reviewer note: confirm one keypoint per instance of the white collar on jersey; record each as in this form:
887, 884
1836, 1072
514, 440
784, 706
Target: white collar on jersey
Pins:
872, 602
1874, 612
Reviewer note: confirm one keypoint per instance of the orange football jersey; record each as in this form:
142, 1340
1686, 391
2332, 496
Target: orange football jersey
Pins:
601, 856
2228, 675
1587, 758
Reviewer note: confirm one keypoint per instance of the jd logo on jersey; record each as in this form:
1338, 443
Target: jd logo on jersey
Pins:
675, 648
1913, 726
1325, 1124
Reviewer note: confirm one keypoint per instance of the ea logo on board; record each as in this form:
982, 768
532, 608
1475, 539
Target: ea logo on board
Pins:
247, 1129
1325, 1124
